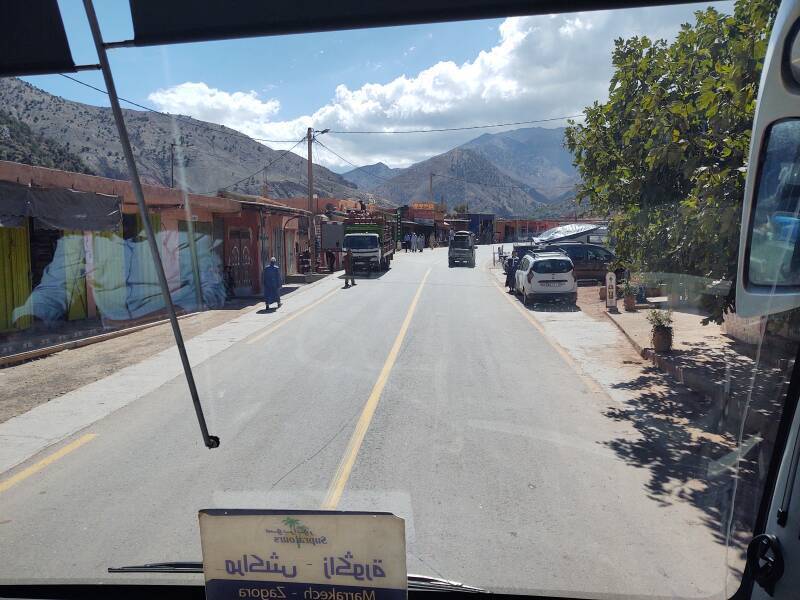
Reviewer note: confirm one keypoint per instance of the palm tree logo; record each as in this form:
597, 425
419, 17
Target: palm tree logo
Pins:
297, 529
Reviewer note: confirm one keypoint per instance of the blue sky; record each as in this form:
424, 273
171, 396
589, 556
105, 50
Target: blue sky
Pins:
302, 71
415, 77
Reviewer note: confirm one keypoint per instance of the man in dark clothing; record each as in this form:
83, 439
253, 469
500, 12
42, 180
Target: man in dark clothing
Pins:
271, 283
511, 273
331, 259
348, 269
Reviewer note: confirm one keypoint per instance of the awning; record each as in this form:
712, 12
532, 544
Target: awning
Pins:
56, 208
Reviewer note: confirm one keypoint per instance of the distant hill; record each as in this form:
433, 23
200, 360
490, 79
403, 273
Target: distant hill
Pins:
534, 155
19, 144
217, 156
463, 176
370, 177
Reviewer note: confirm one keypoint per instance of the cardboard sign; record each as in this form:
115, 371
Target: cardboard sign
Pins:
303, 555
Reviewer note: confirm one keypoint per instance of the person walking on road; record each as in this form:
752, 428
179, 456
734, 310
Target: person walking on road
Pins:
413, 242
348, 269
271, 283
331, 259
511, 273
407, 241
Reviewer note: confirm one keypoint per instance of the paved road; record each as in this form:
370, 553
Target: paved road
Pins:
480, 433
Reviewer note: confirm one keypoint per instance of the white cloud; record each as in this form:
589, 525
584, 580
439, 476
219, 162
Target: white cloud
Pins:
235, 109
541, 67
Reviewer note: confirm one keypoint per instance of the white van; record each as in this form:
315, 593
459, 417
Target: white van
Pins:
546, 276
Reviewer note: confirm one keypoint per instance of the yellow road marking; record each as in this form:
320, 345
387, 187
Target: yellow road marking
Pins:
336, 488
291, 317
566, 356
47, 460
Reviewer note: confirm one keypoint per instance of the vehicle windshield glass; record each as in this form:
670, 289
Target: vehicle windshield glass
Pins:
534, 436
361, 242
552, 266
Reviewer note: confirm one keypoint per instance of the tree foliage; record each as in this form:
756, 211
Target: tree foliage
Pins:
665, 158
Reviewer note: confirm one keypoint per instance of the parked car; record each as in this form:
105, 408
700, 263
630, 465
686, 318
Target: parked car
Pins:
591, 261
546, 276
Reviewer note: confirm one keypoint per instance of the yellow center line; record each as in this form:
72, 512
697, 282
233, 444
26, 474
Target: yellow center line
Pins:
566, 356
339, 481
47, 460
291, 317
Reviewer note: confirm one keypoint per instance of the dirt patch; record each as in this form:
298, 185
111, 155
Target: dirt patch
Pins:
25, 386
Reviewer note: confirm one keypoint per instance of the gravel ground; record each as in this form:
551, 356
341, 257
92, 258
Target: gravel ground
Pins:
24, 386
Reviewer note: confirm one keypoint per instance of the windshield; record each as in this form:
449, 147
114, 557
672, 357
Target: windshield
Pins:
534, 439
552, 266
361, 242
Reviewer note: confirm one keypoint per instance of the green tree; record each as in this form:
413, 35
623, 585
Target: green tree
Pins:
665, 158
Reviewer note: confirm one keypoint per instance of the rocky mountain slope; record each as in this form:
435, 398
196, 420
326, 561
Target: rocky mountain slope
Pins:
463, 176
214, 157
370, 177
533, 155
19, 144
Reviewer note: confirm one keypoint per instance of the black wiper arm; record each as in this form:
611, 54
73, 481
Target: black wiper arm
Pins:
161, 567
415, 582
432, 584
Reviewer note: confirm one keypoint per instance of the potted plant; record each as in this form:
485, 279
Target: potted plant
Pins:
661, 323
629, 295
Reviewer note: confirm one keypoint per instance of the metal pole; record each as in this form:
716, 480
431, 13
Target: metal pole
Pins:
311, 208
172, 165
211, 441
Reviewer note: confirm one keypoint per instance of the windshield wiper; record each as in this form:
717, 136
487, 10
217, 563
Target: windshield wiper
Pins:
415, 582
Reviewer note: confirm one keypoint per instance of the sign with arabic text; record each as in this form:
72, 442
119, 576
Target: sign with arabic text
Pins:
303, 555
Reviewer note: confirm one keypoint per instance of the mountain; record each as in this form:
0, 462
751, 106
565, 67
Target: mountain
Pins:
216, 156
463, 176
19, 144
533, 155
370, 176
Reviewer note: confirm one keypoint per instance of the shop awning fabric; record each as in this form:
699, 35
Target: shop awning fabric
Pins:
58, 208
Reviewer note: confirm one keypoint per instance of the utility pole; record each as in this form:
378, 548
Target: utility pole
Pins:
311, 237
430, 188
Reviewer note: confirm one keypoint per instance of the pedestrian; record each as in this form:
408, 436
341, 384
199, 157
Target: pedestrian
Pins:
331, 259
413, 242
348, 269
271, 283
407, 241
511, 273
421, 242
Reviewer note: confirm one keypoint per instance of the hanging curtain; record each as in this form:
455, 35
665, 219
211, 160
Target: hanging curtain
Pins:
15, 284
75, 274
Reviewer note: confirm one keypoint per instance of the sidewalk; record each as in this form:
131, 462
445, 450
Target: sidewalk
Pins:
27, 385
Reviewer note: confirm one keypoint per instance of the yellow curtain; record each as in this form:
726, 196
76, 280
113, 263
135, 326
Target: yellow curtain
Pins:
75, 274
15, 282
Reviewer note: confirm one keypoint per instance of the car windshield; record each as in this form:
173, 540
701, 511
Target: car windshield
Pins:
552, 266
176, 272
361, 242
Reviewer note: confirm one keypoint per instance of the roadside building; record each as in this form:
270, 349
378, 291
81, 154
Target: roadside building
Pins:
73, 247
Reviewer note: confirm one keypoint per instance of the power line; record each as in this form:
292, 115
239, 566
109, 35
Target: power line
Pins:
461, 128
179, 117
262, 169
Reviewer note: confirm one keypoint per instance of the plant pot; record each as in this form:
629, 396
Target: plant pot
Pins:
662, 339
603, 292
629, 302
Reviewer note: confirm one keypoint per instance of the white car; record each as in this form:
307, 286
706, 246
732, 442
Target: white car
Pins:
546, 276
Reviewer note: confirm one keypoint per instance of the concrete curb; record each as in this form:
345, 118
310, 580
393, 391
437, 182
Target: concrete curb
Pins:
695, 379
